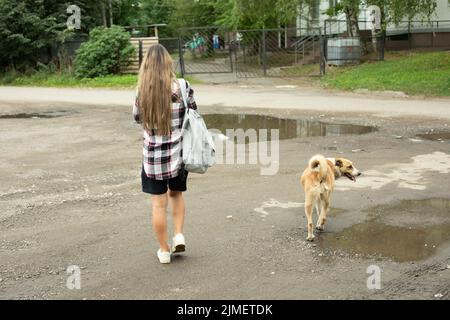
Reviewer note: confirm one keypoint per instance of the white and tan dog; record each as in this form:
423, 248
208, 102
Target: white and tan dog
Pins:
318, 183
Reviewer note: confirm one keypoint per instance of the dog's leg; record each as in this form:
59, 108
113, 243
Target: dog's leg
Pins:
318, 206
325, 205
309, 213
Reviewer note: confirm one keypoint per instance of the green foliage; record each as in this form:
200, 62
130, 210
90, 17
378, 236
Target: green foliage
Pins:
90, 12
343, 5
106, 51
234, 14
255, 14
194, 13
127, 12
245, 14
351, 10
229, 14
391, 10
287, 10
26, 29
157, 11
418, 73
400, 10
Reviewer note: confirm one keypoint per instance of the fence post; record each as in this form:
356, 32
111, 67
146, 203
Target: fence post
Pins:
230, 49
264, 52
381, 44
180, 56
140, 53
322, 44
432, 37
285, 37
409, 35
433, 33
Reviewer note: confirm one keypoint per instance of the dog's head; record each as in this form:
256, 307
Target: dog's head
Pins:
347, 169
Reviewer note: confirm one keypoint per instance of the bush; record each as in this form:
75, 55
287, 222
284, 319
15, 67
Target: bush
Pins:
107, 50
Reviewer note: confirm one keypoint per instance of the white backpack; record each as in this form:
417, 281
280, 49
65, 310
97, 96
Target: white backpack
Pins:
198, 145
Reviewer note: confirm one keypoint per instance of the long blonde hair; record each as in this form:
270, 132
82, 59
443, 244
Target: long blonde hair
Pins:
155, 90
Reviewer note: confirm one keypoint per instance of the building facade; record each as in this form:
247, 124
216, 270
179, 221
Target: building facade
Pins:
315, 16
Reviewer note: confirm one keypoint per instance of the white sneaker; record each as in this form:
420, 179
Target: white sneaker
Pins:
178, 245
164, 257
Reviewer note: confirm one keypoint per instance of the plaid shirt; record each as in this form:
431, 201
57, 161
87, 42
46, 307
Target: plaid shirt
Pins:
162, 155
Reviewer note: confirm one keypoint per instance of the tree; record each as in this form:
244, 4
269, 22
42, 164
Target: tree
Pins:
91, 12
194, 13
29, 28
396, 11
158, 12
351, 10
393, 11
26, 29
287, 11
256, 14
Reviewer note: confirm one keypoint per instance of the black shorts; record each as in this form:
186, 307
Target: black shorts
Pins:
160, 186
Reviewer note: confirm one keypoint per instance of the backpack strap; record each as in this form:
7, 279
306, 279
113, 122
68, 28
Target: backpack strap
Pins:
182, 83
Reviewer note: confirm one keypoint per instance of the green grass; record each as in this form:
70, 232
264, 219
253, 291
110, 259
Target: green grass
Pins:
413, 73
64, 80
304, 70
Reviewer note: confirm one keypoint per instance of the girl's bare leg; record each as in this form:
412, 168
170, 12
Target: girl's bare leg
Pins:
178, 207
159, 218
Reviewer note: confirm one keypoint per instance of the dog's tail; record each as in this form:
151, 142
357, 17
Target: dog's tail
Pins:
318, 163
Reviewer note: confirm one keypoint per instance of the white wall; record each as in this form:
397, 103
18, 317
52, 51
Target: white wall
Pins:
442, 10
442, 13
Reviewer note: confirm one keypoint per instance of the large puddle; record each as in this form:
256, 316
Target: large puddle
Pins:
409, 231
35, 115
288, 128
436, 136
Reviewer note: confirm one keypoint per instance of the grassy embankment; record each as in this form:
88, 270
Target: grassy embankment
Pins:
413, 73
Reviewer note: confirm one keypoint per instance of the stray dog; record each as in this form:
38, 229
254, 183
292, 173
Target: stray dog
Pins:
318, 182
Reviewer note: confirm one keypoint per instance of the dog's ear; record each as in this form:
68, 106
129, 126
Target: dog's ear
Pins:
339, 163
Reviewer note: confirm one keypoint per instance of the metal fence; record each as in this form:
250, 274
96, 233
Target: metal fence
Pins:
406, 35
205, 50
411, 35
172, 45
295, 52
251, 53
286, 52
281, 52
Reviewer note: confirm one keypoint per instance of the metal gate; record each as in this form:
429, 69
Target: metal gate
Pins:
204, 50
286, 52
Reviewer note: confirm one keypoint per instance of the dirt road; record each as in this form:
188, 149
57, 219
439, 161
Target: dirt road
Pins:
70, 195
276, 96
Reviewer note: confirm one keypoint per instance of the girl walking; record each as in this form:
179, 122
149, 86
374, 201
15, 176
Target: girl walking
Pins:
158, 107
